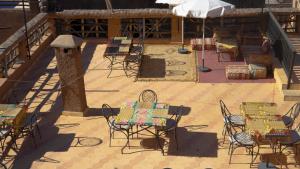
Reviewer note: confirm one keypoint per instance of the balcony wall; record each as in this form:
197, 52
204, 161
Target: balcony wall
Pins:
15, 58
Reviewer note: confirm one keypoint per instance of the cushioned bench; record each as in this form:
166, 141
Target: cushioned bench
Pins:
197, 44
237, 72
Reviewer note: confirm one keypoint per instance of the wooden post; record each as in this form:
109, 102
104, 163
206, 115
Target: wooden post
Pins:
297, 23
114, 27
175, 29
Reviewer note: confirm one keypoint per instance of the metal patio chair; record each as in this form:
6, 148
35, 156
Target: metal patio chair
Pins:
30, 127
132, 62
291, 115
109, 115
240, 139
236, 120
171, 126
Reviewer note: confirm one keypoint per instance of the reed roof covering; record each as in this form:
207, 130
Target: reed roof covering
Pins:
155, 12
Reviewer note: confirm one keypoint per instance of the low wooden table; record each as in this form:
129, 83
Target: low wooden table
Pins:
227, 45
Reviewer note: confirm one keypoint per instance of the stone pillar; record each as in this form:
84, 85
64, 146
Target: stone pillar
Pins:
68, 56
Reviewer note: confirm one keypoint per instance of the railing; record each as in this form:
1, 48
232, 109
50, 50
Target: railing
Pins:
283, 48
14, 50
85, 27
287, 22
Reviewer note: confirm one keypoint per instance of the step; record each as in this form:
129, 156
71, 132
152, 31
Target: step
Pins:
295, 86
281, 78
291, 95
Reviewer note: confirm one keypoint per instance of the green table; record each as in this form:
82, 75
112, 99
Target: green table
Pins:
143, 114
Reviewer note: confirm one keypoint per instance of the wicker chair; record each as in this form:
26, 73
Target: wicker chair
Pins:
236, 120
148, 96
291, 115
109, 115
240, 139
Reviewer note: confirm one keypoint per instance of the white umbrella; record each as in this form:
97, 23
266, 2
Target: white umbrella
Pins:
202, 9
173, 3
170, 2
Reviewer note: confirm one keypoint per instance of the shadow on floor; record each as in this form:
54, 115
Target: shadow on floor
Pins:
152, 67
190, 144
194, 144
42, 81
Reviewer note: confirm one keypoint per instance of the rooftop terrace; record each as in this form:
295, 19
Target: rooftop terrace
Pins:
68, 142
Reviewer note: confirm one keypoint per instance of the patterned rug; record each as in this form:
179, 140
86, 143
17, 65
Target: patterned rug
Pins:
163, 62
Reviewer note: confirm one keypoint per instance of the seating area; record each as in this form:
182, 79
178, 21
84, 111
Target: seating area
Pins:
263, 132
249, 46
145, 115
118, 88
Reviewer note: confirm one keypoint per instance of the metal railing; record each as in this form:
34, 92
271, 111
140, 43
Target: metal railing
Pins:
284, 50
14, 49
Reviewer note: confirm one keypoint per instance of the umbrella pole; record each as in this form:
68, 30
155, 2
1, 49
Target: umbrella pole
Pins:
182, 50
203, 68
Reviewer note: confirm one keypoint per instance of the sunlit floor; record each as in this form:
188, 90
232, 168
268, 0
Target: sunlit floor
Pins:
83, 142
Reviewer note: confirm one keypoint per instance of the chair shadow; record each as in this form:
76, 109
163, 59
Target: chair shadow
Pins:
52, 140
194, 144
191, 144
173, 110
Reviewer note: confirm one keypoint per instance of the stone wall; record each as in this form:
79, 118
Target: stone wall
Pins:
10, 21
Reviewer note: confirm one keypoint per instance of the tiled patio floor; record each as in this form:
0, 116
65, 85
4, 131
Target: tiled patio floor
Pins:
72, 142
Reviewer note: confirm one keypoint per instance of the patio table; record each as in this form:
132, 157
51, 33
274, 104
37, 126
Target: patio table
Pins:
258, 109
143, 114
12, 115
117, 48
263, 122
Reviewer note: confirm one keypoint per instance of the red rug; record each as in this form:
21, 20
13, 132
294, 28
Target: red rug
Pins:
217, 73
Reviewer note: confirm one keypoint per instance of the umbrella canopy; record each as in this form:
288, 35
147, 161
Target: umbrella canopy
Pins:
201, 8
170, 2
